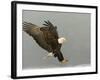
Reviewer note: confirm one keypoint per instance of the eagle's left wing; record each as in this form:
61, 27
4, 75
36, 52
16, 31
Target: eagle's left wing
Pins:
35, 32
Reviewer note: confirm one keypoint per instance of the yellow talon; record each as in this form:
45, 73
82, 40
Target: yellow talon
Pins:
64, 61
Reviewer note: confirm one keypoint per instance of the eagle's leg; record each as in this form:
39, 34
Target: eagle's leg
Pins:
64, 61
50, 54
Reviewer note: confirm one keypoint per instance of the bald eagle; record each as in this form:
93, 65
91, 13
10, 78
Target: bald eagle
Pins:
46, 37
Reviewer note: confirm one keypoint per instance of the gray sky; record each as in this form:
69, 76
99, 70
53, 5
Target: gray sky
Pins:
73, 26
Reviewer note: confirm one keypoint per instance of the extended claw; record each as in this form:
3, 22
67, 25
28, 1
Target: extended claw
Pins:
64, 61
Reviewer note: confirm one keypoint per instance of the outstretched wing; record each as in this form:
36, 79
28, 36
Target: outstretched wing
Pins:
51, 28
29, 28
34, 31
51, 34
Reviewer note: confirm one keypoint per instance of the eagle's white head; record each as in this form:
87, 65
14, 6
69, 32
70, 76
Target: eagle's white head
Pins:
61, 40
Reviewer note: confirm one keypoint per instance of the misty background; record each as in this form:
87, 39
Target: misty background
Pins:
75, 27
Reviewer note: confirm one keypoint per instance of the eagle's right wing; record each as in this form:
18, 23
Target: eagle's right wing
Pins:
51, 28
